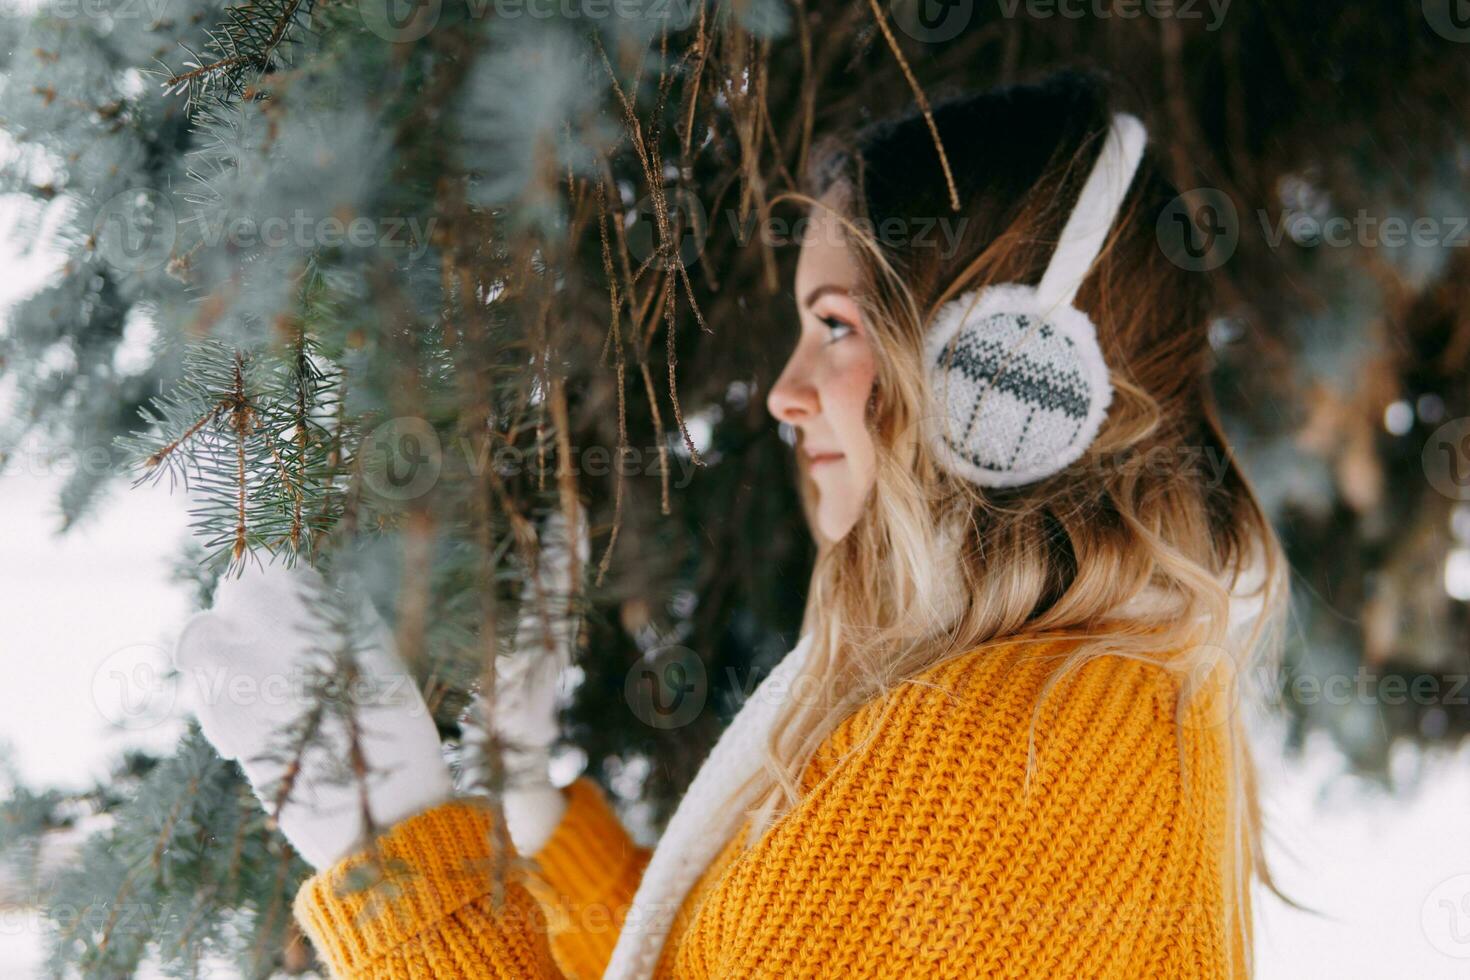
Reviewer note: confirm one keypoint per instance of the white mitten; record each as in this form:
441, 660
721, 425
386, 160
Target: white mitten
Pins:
526, 691
247, 662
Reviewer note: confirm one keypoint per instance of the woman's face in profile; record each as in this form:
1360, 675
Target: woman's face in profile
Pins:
824, 388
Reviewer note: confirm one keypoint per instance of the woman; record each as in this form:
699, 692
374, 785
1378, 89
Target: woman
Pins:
1005, 745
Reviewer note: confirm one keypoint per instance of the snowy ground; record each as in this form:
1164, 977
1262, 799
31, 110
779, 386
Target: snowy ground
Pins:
1389, 875
86, 617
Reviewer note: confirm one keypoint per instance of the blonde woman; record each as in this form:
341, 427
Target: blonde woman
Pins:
1006, 744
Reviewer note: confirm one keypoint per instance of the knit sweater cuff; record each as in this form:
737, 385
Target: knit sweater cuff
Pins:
432, 870
589, 854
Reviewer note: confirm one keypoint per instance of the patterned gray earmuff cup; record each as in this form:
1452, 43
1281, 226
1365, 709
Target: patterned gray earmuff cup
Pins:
1018, 389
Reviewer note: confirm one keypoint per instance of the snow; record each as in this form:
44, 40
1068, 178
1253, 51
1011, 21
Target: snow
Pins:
1390, 874
87, 616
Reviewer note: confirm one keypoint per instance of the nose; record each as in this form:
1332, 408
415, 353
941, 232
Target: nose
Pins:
793, 398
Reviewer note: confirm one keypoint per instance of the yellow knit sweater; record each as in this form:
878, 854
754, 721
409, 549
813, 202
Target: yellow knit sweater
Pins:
922, 853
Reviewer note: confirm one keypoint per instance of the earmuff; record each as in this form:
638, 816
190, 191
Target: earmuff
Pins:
1017, 381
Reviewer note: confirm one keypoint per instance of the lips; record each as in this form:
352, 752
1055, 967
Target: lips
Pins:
816, 459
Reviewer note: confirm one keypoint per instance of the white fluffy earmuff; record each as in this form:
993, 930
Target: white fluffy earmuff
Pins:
1017, 381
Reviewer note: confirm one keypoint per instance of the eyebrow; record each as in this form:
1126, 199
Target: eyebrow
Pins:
820, 291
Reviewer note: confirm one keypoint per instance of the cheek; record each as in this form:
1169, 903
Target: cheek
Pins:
848, 389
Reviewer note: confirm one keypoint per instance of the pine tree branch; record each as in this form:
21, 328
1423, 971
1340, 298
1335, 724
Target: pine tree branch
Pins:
248, 42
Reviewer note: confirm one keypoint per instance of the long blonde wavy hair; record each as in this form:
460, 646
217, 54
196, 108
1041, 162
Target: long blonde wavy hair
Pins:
1132, 551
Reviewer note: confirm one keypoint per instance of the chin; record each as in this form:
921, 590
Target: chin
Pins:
835, 526
836, 512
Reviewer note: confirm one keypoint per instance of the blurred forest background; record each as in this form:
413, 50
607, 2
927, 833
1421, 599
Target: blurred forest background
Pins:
388, 282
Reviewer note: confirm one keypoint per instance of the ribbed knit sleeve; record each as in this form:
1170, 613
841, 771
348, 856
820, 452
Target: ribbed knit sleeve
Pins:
926, 853
433, 916
585, 877
428, 913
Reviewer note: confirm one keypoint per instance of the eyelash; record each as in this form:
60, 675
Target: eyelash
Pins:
833, 323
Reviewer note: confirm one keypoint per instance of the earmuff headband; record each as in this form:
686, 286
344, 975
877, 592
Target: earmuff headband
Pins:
1096, 210
1017, 380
